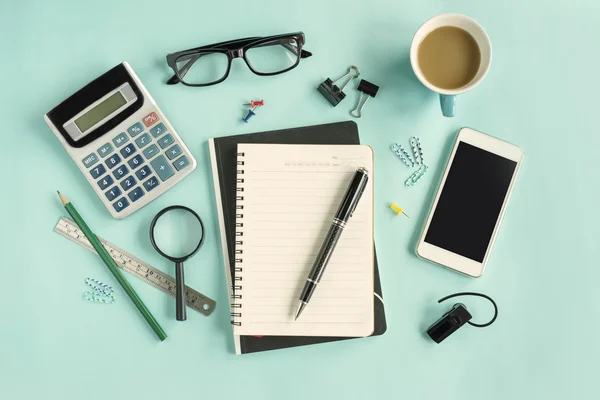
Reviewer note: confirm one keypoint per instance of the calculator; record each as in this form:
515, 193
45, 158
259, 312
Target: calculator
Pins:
121, 141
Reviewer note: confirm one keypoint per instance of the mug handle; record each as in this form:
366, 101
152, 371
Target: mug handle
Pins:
448, 104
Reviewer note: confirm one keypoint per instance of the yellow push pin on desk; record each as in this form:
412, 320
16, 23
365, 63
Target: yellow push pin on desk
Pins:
398, 210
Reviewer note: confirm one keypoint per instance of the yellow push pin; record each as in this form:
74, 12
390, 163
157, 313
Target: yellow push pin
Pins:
398, 210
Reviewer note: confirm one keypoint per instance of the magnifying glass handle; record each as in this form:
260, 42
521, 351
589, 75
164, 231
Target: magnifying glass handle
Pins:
180, 293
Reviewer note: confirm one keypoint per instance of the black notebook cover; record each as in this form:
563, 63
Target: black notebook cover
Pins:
223, 156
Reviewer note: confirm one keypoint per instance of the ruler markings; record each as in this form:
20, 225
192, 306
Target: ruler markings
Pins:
137, 268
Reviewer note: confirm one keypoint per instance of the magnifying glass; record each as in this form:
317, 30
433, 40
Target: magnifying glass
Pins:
177, 233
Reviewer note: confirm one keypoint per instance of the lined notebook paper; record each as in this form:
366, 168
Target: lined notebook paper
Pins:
287, 196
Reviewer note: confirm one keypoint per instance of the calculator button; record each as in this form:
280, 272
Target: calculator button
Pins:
143, 173
105, 150
181, 163
173, 152
90, 160
128, 183
162, 168
135, 162
135, 129
150, 152
97, 171
128, 150
150, 119
120, 204
113, 161
120, 172
158, 130
151, 183
113, 193
165, 141
120, 139
143, 140
136, 193
105, 182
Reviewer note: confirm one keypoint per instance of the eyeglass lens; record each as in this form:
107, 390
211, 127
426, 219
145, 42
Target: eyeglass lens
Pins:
202, 68
274, 56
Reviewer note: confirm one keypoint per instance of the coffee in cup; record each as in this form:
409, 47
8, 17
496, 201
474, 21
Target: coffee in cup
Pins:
450, 54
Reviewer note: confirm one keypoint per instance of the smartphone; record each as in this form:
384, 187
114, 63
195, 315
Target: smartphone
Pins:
462, 225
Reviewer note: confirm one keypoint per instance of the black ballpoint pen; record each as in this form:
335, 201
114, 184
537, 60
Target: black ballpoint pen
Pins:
344, 212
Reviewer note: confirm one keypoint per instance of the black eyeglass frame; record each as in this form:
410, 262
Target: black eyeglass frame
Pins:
233, 49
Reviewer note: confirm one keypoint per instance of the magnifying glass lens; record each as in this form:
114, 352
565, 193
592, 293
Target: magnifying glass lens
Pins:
177, 233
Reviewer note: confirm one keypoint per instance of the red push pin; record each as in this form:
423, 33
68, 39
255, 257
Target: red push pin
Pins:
255, 103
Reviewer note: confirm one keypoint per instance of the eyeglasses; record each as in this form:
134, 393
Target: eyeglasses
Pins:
209, 65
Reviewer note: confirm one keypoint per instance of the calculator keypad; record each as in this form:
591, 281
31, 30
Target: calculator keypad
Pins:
181, 163
136, 193
105, 150
113, 161
150, 119
158, 130
151, 184
97, 171
150, 151
113, 193
135, 129
128, 183
135, 175
121, 139
105, 182
128, 150
90, 160
162, 168
143, 140
135, 162
120, 204
165, 141
120, 171
143, 173
174, 152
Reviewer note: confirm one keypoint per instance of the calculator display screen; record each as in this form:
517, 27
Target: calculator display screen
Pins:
101, 111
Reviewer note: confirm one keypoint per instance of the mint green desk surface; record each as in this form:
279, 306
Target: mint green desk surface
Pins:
541, 93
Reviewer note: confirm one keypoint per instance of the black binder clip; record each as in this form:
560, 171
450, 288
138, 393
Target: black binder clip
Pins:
332, 92
369, 90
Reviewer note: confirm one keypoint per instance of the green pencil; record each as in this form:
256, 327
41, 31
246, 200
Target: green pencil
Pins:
110, 263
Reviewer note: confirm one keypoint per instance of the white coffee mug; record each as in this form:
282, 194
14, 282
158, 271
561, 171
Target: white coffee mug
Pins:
448, 96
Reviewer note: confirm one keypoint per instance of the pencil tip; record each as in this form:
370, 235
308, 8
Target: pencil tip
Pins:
63, 199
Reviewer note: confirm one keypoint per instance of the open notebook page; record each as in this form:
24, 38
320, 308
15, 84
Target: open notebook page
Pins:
290, 195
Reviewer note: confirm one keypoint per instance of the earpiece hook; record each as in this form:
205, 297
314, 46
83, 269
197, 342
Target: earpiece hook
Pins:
479, 295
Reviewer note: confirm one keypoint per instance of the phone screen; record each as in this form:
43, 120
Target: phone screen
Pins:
470, 202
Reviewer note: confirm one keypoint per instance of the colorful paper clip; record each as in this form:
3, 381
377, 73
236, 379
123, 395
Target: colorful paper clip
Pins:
398, 210
369, 90
416, 176
102, 293
417, 150
332, 92
403, 155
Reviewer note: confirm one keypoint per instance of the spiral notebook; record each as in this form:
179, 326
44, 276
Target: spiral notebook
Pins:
287, 196
222, 151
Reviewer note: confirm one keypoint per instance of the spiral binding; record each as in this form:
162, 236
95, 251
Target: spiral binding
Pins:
238, 260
